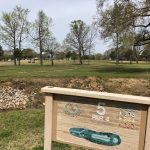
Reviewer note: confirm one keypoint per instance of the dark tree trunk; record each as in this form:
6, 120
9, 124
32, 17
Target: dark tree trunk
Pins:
52, 60
80, 59
80, 56
14, 55
41, 57
15, 64
135, 55
89, 55
41, 49
117, 49
19, 59
130, 59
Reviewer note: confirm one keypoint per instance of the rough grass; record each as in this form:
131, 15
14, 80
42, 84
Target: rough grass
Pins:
63, 69
24, 130
21, 130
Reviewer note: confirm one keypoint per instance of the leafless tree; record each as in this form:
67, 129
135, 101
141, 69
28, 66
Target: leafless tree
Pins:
22, 15
80, 38
51, 46
40, 30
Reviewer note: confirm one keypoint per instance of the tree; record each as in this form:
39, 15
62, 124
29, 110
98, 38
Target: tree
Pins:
74, 55
142, 22
22, 15
145, 55
51, 46
9, 28
60, 55
138, 15
28, 53
124, 53
128, 54
41, 29
98, 56
92, 37
7, 57
68, 55
79, 38
1, 53
112, 23
18, 53
12, 29
67, 49
128, 43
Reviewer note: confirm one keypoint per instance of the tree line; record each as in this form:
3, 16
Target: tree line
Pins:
127, 54
124, 23
16, 31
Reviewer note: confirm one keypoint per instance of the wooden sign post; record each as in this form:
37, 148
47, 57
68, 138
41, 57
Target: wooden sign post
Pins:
96, 120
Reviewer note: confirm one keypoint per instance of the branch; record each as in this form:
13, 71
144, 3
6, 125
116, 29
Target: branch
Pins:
143, 26
142, 41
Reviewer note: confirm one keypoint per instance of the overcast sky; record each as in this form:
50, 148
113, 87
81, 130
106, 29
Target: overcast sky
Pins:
61, 11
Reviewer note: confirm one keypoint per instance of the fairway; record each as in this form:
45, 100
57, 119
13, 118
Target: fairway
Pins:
63, 69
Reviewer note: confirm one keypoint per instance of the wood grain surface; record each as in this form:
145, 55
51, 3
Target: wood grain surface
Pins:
124, 119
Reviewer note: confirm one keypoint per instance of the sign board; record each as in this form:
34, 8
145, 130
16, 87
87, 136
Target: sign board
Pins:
95, 123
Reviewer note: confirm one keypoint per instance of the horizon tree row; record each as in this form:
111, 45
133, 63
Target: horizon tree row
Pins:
16, 31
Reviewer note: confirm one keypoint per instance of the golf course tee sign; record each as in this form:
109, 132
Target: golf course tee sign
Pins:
96, 120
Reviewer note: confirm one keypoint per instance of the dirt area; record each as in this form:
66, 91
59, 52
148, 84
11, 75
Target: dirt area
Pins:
32, 87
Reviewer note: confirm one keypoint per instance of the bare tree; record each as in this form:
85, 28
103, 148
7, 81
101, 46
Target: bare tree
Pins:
22, 15
41, 29
79, 38
91, 40
51, 46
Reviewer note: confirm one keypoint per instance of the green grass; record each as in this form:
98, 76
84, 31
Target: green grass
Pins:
24, 130
21, 130
102, 69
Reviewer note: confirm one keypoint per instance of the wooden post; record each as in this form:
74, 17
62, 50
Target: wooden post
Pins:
147, 139
48, 122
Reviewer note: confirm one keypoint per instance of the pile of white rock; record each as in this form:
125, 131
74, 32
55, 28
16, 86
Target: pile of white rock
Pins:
11, 99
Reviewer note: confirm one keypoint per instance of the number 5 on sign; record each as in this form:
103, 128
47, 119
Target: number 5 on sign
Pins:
101, 109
